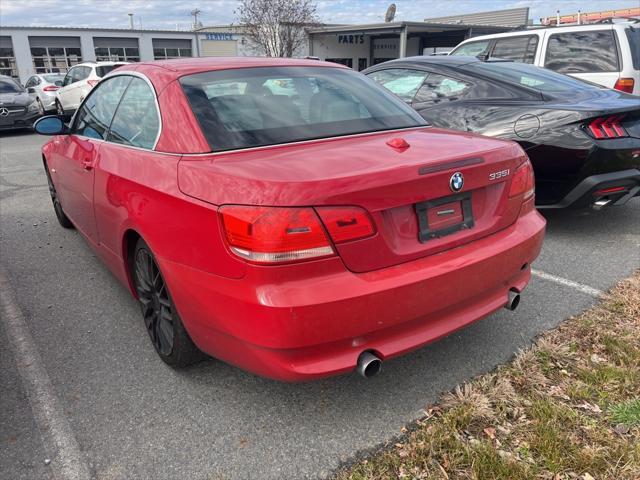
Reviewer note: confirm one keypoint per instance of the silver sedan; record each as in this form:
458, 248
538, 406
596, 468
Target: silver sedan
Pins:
42, 88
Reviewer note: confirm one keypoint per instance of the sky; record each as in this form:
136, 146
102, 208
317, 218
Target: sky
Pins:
174, 14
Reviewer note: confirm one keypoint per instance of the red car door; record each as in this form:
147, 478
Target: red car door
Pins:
74, 165
77, 153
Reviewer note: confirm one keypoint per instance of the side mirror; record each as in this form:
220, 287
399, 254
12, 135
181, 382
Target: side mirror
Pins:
50, 125
31, 90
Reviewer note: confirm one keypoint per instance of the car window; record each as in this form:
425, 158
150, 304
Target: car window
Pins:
31, 82
472, 49
404, 82
102, 70
96, 113
582, 52
55, 78
529, 76
440, 88
9, 86
633, 35
136, 121
83, 72
68, 79
518, 49
273, 105
280, 86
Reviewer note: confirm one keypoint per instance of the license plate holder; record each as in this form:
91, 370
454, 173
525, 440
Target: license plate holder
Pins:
457, 206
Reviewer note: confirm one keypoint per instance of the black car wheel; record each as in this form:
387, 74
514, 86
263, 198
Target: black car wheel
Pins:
59, 109
40, 107
169, 338
57, 206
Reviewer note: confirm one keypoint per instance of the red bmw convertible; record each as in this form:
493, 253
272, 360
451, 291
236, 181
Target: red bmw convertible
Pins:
290, 217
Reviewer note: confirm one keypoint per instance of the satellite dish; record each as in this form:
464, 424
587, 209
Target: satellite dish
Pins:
391, 13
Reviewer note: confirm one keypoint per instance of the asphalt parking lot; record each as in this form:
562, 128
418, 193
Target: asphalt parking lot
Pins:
130, 416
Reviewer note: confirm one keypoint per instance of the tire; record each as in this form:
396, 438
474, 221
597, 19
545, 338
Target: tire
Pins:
166, 331
57, 206
41, 110
59, 109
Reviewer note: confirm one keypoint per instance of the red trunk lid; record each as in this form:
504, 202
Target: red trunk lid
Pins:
406, 190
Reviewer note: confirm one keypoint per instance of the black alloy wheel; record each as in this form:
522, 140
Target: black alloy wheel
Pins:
59, 109
57, 206
165, 329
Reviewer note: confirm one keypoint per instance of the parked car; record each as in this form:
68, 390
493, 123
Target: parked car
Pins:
78, 82
43, 88
17, 108
294, 236
583, 139
606, 54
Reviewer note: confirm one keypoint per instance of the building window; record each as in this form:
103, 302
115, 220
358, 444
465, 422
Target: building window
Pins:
55, 59
117, 54
347, 62
8, 62
166, 53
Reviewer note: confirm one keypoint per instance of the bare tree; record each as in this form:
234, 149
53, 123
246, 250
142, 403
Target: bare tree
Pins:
275, 28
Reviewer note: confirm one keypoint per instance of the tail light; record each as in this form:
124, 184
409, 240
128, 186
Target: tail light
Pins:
607, 127
92, 83
624, 85
270, 235
50, 88
523, 181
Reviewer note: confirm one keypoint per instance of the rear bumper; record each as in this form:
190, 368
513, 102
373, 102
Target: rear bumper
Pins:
314, 319
48, 102
590, 190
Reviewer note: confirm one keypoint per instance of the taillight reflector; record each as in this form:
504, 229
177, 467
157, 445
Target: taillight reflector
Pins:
345, 224
50, 88
274, 234
607, 127
523, 181
92, 83
624, 85
606, 191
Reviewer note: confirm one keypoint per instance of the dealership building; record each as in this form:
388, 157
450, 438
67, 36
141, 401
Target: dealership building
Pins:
360, 46
28, 50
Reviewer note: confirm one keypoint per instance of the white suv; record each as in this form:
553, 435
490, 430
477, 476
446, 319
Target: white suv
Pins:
607, 54
78, 82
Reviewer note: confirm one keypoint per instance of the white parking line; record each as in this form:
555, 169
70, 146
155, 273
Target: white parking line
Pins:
594, 292
57, 437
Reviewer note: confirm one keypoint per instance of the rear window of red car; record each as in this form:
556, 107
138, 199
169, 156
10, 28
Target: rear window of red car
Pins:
252, 107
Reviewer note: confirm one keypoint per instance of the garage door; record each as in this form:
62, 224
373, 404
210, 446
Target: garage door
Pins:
219, 48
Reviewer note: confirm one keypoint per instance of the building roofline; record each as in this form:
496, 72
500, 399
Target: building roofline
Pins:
98, 29
484, 12
396, 25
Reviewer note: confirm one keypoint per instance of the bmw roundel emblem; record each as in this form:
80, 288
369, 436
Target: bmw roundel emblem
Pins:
456, 182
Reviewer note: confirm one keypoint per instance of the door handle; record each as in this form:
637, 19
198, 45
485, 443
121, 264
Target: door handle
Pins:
87, 164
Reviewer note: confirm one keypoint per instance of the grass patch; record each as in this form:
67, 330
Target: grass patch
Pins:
566, 408
626, 413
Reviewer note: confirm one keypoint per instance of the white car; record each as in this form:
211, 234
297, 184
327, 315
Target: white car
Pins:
43, 87
78, 82
607, 54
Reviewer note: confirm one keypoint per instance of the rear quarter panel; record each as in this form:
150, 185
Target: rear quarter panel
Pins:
137, 190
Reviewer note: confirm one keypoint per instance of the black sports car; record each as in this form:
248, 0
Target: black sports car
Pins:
583, 140
18, 109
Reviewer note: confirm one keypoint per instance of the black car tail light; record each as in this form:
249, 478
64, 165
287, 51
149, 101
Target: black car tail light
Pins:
607, 127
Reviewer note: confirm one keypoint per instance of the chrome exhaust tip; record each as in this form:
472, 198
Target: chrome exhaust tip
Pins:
513, 300
368, 365
600, 204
